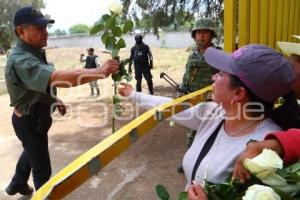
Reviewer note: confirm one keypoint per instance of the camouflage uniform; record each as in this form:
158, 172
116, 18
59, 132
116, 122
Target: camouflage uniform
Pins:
198, 73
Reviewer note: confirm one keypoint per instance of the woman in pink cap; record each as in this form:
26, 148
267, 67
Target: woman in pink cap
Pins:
245, 89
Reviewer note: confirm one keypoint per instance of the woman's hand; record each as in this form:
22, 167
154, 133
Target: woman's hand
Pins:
196, 192
125, 89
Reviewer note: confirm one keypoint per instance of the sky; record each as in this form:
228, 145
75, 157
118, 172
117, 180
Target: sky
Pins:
69, 12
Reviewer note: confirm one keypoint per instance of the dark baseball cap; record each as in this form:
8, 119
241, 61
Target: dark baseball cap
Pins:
263, 70
29, 15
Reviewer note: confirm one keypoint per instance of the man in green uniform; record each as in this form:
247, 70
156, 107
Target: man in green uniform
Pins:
198, 73
31, 84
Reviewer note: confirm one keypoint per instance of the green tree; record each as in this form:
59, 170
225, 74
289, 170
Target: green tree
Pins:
58, 32
154, 13
79, 28
7, 9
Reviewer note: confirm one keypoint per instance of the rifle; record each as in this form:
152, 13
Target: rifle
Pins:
174, 84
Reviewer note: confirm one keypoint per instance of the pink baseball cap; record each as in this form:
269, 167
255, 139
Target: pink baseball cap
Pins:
262, 69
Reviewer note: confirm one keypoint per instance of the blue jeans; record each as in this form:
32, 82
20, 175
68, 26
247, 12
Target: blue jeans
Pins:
32, 131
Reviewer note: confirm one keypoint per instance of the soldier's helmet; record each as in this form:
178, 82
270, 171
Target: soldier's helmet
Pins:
204, 24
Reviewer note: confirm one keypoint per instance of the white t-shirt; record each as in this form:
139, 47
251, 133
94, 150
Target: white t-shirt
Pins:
205, 117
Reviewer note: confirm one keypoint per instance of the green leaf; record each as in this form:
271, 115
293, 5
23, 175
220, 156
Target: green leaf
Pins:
183, 196
105, 37
105, 17
96, 28
162, 192
128, 26
116, 31
110, 43
128, 78
293, 178
117, 77
282, 194
121, 43
125, 62
117, 109
293, 168
111, 22
116, 99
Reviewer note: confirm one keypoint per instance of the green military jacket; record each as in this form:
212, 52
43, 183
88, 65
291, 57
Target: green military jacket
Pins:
27, 75
198, 74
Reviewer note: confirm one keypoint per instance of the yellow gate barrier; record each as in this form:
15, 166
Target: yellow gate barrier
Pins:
89, 163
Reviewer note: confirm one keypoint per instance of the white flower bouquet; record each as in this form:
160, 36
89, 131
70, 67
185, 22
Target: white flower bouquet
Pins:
269, 181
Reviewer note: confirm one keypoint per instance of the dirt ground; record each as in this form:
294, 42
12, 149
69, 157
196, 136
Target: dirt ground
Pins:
134, 174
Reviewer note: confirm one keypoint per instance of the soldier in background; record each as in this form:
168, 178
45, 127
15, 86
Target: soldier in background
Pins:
143, 63
91, 61
197, 72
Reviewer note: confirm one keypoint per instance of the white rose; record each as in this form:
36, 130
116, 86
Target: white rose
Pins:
260, 192
116, 8
264, 164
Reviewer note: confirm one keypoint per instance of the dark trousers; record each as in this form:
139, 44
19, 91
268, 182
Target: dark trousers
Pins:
139, 73
32, 132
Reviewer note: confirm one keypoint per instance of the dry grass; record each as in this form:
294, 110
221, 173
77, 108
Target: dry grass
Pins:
170, 61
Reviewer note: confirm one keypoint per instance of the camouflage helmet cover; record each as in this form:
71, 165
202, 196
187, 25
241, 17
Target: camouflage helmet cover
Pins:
204, 24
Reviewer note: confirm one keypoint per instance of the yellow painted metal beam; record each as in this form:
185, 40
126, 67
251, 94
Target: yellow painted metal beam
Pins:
272, 23
264, 21
89, 163
254, 21
243, 22
230, 22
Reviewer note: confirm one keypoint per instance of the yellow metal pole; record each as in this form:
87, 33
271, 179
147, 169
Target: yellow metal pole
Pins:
272, 23
254, 21
230, 25
279, 21
264, 21
243, 22
291, 19
285, 27
89, 163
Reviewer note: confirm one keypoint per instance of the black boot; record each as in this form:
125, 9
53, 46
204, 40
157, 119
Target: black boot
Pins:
23, 189
98, 91
139, 85
150, 86
92, 91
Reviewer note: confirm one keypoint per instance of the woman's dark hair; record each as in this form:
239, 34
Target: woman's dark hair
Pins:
284, 115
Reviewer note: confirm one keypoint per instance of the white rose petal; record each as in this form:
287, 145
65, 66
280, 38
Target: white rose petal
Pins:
116, 8
260, 192
269, 158
264, 164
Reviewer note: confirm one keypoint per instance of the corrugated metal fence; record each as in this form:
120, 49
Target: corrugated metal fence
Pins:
260, 21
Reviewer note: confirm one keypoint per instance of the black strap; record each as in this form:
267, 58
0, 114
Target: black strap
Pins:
206, 147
